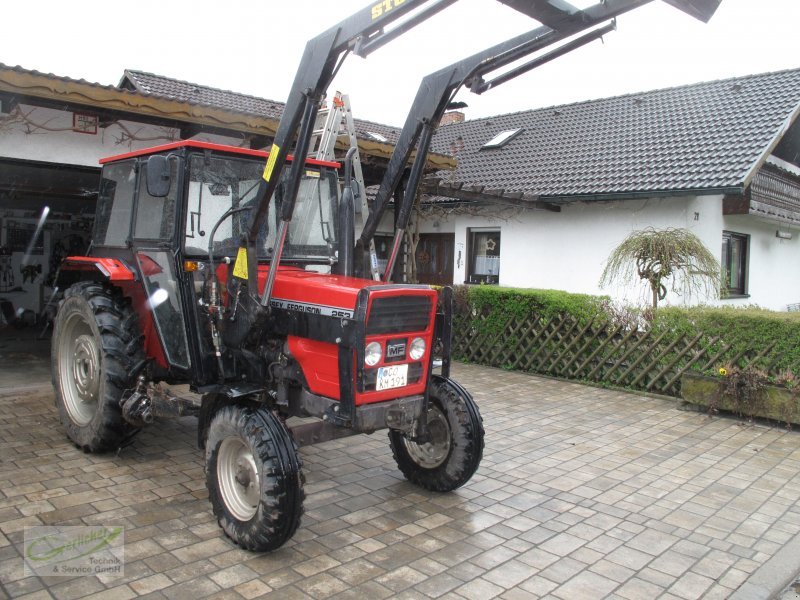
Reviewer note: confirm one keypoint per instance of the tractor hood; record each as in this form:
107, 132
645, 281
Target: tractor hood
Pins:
315, 293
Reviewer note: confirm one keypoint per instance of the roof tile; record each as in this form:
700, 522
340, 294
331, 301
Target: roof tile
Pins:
193, 93
701, 136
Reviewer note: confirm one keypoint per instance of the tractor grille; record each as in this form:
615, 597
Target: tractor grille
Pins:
399, 314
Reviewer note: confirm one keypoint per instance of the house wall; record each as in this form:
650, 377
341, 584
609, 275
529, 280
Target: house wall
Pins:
774, 264
568, 250
46, 135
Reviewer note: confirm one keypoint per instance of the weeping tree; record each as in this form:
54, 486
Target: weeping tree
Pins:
660, 255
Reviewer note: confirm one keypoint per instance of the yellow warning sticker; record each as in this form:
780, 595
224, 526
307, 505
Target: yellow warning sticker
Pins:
240, 266
312, 174
273, 156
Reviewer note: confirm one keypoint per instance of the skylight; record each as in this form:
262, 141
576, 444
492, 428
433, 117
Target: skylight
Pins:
377, 136
502, 138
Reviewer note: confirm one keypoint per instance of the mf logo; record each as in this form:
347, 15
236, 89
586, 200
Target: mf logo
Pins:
395, 350
381, 8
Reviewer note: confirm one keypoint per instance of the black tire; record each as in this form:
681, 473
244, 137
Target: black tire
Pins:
455, 450
254, 477
96, 347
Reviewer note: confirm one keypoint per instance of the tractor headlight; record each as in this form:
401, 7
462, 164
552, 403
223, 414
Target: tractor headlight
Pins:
417, 349
373, 354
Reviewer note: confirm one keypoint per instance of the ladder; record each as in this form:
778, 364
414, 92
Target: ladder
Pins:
333, 122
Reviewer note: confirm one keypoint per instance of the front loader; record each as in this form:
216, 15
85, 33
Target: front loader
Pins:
238, 272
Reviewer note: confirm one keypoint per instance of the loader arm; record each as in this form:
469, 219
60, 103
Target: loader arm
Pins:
561, 20
361, 33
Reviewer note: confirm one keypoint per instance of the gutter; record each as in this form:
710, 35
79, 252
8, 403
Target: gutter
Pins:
606, 197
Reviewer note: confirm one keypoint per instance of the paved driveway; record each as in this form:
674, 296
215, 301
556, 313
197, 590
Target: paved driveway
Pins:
582, 493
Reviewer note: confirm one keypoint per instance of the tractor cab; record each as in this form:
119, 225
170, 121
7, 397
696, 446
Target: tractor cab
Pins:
209, 189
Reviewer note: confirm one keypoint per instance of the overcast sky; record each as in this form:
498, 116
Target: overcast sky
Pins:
254, 47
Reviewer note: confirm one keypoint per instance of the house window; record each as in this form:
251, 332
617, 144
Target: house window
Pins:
734, 262
484, 256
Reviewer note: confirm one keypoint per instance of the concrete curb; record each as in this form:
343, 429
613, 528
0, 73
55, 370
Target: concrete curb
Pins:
771, 578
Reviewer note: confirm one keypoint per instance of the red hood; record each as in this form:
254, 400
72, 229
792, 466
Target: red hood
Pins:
316, 288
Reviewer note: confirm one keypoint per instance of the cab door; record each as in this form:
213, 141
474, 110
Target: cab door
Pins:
155, 251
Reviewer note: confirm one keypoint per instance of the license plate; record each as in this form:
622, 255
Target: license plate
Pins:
392, 377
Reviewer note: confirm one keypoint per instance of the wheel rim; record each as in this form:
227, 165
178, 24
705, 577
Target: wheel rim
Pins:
238, 478
79, 369
432, 454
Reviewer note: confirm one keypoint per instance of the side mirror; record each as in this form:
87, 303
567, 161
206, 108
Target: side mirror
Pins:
158, 176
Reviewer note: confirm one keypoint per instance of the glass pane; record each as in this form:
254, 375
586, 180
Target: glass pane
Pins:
218, 185
164, 301
155, 217
114, 205
736, 280
734, 261
486, 253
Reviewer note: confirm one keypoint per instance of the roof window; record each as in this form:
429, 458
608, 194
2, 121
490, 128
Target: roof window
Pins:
377, 137
501, 139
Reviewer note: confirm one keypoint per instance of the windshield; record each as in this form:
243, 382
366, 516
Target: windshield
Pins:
219, 184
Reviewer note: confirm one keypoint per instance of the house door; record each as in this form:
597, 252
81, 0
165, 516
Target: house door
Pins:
435, 258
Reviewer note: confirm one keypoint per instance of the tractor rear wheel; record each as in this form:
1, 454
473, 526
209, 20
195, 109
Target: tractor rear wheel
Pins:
455, 448
254, 477
96, 346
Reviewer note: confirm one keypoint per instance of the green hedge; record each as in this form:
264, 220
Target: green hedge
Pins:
499, 303
745, 329
482, 313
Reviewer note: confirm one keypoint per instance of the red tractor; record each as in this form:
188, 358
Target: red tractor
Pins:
247, 283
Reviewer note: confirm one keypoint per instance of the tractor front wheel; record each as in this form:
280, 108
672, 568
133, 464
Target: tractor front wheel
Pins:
454, 450
254, 477
96, 346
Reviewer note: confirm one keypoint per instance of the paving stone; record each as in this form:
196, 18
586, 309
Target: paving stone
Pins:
585, 585
233, 576
322, 585
150, 584
400, 579
479, 589
438, 585
252, 589
582, 493
539, 586
691, 585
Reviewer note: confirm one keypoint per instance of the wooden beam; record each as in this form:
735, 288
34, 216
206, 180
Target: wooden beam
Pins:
735, 205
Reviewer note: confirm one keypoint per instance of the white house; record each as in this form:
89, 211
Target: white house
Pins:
540, 198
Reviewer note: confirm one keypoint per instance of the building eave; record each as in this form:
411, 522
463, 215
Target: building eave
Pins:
49, 88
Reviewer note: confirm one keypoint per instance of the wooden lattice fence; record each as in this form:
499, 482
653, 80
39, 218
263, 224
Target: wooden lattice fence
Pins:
625, 356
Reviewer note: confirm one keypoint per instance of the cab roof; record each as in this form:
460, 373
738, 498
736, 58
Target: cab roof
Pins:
209, 146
